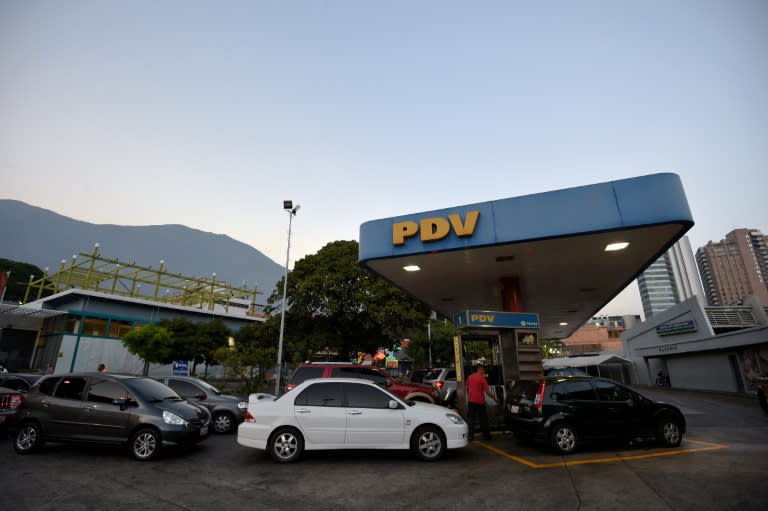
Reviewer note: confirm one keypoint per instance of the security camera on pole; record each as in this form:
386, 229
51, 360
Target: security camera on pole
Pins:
289, 207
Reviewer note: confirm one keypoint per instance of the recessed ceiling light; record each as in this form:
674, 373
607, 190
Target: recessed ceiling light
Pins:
563, 323
411, 267
613, 247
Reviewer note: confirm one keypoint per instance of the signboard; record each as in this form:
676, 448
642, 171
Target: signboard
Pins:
181, 367
495, 319
680, 327
527, 339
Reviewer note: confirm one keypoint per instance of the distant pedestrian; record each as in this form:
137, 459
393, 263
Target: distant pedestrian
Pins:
49, 368
477, 389
102, 368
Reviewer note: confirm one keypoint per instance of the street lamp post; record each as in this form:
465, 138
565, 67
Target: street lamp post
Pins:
289, 207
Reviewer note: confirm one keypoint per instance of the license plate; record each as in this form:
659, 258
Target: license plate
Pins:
204, 431
514, 409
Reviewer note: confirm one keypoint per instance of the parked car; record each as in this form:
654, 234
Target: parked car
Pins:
10, 400
567, 410
227, 411
18, 381
443, 379
417, 376
108, 408
405, 390
348, 413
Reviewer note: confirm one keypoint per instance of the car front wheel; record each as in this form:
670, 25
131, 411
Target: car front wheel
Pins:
669, 432
286, 445
428, 443
223, 422
145, 444
28, 438
563, 438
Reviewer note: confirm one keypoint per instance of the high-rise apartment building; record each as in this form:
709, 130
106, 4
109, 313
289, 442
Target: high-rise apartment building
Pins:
671, 279
735, 267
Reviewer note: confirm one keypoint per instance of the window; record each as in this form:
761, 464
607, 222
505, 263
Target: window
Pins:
94, 326
306, 373
359, 372
70, 388
611, 392
105, 391
364, 396
16, 384
119, 328
48, 384
185, 389
579, 390
320, 394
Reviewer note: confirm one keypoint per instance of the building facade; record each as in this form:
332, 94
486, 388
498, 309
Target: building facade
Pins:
671, 279
692, 346
735, 267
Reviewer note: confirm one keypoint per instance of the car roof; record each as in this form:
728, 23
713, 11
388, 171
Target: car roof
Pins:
116, 376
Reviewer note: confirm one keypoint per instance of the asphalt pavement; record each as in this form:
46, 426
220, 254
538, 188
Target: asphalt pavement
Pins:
721, 465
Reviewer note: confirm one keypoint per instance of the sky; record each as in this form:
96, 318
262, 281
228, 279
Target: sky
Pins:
210, 114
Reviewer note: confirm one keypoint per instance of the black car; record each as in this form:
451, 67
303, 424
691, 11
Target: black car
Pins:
108, 408
566, 410
18, 381
10, 400
227, 411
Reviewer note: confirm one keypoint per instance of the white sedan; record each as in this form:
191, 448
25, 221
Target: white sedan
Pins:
335, 413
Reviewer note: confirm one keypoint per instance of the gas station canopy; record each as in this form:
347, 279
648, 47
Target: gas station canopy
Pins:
570, 251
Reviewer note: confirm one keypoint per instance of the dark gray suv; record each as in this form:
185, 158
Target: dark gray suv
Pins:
227, 411
107, 408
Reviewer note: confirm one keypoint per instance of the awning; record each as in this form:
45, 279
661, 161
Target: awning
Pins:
19, 311
584, 361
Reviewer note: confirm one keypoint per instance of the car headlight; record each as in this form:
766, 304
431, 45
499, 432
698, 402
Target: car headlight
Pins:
242, 405
454, 418
172, 418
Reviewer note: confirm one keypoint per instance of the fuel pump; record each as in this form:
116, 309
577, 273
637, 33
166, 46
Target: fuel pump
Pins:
515, 354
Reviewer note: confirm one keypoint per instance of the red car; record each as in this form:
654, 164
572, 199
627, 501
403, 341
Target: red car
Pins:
405, 390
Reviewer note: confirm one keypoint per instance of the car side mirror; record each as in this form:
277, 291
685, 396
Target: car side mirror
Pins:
393, 405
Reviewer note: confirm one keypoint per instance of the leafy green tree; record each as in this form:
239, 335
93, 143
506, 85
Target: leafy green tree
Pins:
253, 354
438, 338
332, 302
19, 278
210, 337
152, 343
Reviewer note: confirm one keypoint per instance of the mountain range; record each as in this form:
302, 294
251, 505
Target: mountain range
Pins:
38, 236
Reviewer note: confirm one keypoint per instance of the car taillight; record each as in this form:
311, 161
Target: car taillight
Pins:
539, 400
439, 384
249, 417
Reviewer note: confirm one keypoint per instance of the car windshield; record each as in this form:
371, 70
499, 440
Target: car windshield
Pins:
208, 387
433, 375
151, 390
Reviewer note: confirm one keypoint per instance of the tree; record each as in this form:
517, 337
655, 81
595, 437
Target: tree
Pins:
151, 342
253, 354
19, 278
438, 339
332, 302
196, 342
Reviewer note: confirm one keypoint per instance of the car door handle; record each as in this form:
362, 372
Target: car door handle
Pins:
302, 410
355, 412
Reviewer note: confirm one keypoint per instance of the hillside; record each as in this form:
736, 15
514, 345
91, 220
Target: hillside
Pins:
41, 237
